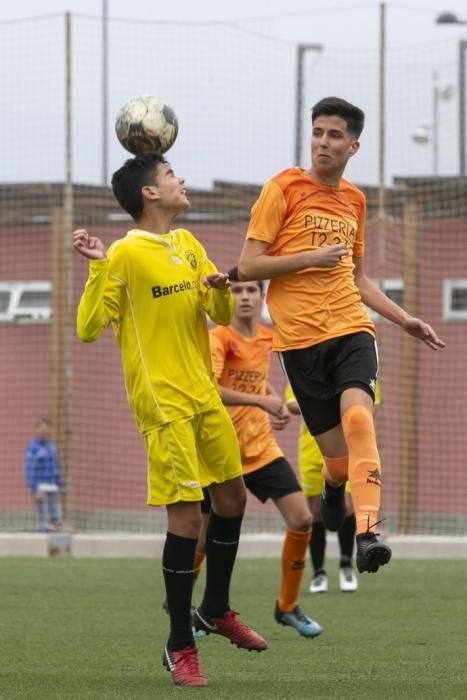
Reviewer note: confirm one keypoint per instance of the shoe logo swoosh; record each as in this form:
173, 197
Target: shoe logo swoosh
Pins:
213, 627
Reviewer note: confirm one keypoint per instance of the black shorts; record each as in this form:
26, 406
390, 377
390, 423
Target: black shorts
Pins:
274, 480
319, 374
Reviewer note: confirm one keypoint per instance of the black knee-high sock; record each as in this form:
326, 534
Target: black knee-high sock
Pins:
318, 545
222, 538
346, 537
177, 566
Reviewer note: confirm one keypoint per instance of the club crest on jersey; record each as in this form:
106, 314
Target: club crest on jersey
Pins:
191, 257
175, 260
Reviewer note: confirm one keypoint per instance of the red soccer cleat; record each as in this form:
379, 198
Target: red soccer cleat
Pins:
184, 666
230, 626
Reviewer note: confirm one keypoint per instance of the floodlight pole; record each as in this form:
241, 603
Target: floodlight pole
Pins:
381, 212
302, 49
462, 106
436, 95
61, 258
105, 91
450, 18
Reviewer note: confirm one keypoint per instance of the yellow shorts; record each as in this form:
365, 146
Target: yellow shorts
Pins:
185, 456
310, 464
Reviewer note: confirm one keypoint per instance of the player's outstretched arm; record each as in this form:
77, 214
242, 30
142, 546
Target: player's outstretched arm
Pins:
379, 302
421, 330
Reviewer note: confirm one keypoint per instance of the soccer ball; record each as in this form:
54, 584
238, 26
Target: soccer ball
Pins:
146, 124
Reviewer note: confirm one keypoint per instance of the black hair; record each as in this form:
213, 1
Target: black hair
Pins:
128, 181
233, 277
352, 115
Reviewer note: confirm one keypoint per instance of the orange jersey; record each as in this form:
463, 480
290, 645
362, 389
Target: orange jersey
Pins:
242, 364
295, 214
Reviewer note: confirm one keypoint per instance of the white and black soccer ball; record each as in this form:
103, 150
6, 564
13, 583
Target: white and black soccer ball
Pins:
146, 124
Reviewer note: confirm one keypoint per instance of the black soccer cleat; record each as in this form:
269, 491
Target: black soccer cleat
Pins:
371, 553
332, 506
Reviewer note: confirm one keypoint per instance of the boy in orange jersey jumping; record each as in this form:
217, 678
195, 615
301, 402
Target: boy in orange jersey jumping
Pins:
306, 234
240, 357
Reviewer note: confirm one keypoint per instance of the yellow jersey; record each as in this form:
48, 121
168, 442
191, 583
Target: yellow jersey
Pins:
149, 288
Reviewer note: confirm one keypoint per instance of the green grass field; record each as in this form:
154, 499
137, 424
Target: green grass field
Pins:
95, 629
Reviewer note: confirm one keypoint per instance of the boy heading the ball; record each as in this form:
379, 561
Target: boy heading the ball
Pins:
306, 234
154, 288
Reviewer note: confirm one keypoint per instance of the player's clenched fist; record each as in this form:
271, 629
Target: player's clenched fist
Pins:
328, 255
89, 246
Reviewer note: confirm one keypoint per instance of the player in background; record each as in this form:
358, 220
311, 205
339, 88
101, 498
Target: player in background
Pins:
241, 356
310, 463
307, 235
154, 287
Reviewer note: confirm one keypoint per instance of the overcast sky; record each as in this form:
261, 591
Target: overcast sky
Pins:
410, 22
233, 88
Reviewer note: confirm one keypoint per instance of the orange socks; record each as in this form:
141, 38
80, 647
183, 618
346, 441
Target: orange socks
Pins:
364, 466
335, 470
294, 552
199, 558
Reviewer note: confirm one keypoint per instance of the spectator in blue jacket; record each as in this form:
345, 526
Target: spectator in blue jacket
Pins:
43, 477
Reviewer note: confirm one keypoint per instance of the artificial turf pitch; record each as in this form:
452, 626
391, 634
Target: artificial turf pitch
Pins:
72, 628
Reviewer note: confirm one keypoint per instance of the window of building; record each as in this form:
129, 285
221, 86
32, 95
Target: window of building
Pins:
25, 302
455, 300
